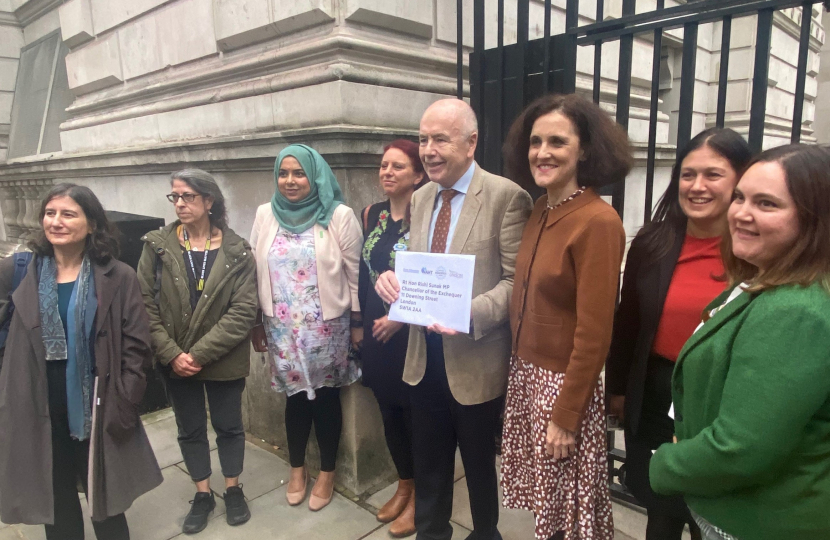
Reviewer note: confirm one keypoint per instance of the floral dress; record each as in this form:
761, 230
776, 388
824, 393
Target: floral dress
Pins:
305, 351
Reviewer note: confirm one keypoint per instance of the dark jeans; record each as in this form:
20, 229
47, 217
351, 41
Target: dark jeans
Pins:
439, 425
70, 463
326, 413
667, 516
187, 396
667, 527
397, 427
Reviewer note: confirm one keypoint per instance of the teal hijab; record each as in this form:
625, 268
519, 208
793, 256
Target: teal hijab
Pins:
320, 203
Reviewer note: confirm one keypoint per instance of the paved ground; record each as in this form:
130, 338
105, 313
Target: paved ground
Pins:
158, 515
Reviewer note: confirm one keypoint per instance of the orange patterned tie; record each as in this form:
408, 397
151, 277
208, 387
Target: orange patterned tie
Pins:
442, 225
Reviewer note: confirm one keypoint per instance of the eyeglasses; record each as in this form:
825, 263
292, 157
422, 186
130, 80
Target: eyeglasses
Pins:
188, 197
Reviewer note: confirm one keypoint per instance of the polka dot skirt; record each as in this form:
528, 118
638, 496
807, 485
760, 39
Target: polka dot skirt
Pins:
570, 494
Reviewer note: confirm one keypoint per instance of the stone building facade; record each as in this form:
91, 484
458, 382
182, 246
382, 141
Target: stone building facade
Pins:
117, 94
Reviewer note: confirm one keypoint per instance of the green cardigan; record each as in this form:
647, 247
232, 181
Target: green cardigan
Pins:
751, 393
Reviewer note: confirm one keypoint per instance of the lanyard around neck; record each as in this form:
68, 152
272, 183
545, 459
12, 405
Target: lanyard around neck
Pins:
200, 285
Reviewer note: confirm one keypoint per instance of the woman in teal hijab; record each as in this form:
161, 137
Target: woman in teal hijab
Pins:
307, 246
301, 207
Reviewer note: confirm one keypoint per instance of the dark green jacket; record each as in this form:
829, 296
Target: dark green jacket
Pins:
216, 333
751, 394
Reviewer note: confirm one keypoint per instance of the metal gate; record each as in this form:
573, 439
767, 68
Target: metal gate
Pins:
506, 78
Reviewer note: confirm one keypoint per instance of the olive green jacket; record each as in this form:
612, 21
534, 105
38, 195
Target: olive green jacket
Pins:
216, 333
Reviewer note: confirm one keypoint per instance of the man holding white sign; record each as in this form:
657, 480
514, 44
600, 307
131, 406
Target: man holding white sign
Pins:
459, 376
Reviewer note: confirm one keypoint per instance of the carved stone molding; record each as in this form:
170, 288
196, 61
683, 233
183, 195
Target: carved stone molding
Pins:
34, 9
20, 202
418, 69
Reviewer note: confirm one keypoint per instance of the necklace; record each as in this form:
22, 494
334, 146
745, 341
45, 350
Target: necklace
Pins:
575, 194
200, 285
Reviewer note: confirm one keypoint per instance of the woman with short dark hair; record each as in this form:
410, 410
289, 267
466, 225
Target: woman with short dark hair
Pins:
673, 270
198, 278
72, 377
561, 313
751, 387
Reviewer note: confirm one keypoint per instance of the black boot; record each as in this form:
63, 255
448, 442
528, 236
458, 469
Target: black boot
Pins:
200, 508
236, 509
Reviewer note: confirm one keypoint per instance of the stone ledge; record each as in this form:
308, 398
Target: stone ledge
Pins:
208, 74
34, 9
95, 67
358, 72
339, 143
374, 15
76, 23
8, 19
339, 102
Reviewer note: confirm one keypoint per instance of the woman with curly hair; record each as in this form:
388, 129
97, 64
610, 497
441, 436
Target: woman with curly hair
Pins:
561, 314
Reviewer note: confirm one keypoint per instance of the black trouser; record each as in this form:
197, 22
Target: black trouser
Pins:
397, 427
187, 396
666, 527
326, 414
439, 424
70, 463
667, 516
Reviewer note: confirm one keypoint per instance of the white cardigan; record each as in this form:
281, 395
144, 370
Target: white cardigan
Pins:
337, 251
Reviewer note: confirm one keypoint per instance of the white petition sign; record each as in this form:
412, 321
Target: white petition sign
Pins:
435, 288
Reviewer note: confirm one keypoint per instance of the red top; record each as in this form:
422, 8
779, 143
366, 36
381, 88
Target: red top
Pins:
692, 287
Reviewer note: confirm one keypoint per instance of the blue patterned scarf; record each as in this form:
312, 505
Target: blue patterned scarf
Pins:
74, 348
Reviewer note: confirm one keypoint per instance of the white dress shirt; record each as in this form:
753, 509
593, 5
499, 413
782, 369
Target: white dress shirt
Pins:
461, 186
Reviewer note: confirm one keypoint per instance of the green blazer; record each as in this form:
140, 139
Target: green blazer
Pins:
751, 392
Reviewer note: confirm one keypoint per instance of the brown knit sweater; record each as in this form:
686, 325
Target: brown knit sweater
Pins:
562, 308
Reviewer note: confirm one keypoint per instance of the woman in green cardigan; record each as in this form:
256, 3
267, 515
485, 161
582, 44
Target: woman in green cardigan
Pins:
751, 387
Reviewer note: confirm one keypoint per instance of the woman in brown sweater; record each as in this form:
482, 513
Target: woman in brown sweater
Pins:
561, 314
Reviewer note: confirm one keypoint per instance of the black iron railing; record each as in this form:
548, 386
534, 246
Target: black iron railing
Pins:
504, 79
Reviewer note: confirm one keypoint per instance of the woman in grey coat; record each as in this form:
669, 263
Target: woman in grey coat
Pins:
72, 377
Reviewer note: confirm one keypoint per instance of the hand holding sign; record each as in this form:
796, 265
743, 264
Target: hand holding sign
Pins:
431, 289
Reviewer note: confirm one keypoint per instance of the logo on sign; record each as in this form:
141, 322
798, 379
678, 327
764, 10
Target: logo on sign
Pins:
440, 272
456, 275
425, 271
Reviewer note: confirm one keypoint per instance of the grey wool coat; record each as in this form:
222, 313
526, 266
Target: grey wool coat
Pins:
121, 462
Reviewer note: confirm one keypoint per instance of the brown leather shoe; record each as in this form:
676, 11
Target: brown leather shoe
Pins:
394, 506
405, 524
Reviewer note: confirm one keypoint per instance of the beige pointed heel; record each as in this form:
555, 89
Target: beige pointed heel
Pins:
317, 502
295, 498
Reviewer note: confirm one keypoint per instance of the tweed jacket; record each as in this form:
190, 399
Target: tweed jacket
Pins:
751, 393
490, 227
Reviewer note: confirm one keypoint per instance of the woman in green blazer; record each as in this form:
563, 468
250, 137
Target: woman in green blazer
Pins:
751, 387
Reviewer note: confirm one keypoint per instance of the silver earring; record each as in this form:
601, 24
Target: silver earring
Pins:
210, 213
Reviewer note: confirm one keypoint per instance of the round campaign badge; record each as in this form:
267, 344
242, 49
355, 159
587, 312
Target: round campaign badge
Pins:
399, 247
